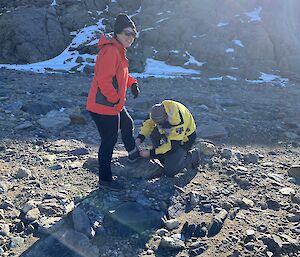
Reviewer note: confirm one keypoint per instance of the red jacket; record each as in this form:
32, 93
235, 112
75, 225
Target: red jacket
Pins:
107, 94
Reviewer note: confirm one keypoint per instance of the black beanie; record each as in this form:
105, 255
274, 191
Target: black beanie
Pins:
122, 22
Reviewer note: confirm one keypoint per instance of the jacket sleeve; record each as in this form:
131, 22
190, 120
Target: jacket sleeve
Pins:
147, 127
106, 67
131, 80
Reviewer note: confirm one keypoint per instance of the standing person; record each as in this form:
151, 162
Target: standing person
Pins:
172, 130
107, 97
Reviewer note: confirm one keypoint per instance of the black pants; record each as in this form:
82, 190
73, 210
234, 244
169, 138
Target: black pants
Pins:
108, 127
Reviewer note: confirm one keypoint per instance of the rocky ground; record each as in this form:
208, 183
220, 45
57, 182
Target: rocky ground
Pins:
243, 200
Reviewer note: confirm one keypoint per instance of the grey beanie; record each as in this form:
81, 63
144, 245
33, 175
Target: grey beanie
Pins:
158, 113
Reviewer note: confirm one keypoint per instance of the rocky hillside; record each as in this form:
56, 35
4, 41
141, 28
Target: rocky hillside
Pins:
237, 38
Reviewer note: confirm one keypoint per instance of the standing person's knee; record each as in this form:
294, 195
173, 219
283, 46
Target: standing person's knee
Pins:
109, 141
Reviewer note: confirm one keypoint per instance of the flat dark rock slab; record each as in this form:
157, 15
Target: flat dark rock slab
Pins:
133, 217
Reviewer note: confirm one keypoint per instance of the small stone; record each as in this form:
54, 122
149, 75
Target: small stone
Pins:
217, 223
171, 224
273, 242
4, 230
250, 235
208, 149
49, 157
55, 120
250, 246
82, 223
193, 198
261, 228
200, 231
3, 187
149, 252
76, 116
250, 232
169, 242
162, 232
296, 198
69, 207
241, 168
80, 151
273, 204
251, 158
294, 172
188, 230
16, 242
248, 203
23, 173
243, 182
56, 167
287, 191
50, 225
33, 214
7, 205
31, 204
75, 165
199, 250
293, 217
226, 153
267, 164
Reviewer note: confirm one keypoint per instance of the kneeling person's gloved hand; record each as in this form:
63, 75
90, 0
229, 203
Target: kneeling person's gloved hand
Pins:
135, 90
145, 153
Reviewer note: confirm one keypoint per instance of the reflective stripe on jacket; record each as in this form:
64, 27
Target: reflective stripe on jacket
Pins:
107, 93
179, 125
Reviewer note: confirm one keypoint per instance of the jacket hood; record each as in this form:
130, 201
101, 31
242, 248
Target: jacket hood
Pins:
107, 39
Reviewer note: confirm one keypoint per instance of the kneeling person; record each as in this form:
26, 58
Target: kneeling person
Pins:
172, 130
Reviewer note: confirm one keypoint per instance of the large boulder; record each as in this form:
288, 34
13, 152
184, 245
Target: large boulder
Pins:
30, 34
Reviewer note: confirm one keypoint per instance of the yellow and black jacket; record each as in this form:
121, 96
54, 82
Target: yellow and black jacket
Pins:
177, 129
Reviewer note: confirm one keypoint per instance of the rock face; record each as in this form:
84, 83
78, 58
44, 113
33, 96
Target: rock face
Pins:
31, 34
240, 39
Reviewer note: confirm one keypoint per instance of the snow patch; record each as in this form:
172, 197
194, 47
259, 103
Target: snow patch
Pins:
161, 20
231, 77
238, 42
160, 69
229, 50
216, 78
266, 78
192, 60
53, 3
222, 24
198, 36
254, 15
67, 59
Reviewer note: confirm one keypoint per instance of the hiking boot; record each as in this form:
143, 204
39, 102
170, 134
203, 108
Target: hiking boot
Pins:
133, 155
112, 185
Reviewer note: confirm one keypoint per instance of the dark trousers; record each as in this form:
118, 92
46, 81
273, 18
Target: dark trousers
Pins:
108, 127
175, 159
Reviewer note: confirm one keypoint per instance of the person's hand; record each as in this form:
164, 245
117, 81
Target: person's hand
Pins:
145, 153
138, 142
135, 90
